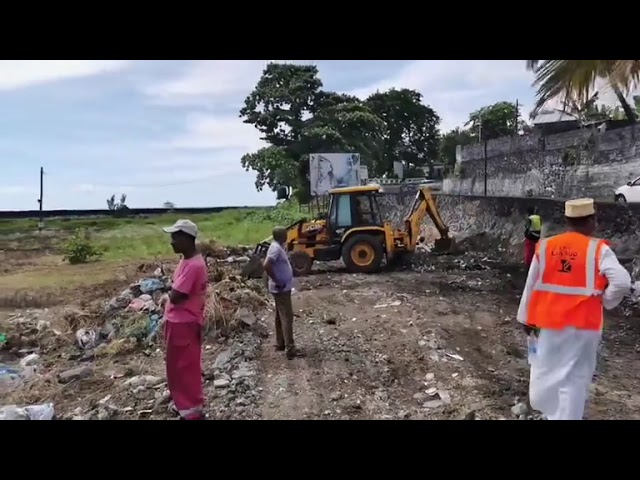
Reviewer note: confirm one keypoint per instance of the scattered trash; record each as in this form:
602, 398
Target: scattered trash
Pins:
86, 338
429, 377
245, 316
75, 374
33, 412
455, 356
30, 360
392, 304
433, 404
150, 285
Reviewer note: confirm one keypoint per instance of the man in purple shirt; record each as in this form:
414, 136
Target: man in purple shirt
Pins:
280, 275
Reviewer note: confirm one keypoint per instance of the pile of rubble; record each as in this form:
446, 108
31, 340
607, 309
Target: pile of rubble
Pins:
105, 360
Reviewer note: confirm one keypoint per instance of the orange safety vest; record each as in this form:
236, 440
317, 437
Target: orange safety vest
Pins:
568, 291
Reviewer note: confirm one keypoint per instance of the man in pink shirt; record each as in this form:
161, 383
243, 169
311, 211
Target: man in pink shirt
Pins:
184, 319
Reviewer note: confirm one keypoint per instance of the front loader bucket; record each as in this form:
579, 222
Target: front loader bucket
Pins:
253, 268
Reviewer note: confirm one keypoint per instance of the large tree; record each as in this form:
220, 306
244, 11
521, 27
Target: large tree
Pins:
297, 118
412, 134
498, 120
450, 141
574, 80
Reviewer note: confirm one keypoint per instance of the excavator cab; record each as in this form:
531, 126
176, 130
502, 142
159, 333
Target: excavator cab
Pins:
353, 208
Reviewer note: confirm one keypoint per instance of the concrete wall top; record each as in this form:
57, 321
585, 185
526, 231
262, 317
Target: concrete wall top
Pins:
607, 140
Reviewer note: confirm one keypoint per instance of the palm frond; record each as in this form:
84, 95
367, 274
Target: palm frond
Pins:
568, 80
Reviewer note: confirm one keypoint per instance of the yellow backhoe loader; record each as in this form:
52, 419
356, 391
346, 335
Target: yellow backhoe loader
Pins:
355, 232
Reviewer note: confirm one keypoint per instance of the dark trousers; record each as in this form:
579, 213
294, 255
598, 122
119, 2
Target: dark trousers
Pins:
284, 320
529, 251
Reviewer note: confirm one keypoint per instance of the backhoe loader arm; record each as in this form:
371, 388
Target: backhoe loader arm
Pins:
424, 204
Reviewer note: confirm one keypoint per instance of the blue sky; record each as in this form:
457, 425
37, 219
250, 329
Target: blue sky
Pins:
169, 130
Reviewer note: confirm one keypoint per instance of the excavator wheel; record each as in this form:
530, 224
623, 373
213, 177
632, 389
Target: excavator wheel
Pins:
301, 263
363, 253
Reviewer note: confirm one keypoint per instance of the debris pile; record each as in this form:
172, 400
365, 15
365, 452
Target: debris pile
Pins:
231, 379
105, 360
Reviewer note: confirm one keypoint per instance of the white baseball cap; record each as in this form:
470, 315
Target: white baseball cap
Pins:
183, 225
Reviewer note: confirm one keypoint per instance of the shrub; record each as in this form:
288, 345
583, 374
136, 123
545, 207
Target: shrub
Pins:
284, 214
80, 249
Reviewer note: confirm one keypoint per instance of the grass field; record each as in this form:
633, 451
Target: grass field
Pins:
32, 261
142, 237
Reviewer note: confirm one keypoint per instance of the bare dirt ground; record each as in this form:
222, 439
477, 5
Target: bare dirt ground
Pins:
437, 343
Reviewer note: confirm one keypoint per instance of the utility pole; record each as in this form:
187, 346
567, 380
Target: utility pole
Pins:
41, 219
485, 168
517, 115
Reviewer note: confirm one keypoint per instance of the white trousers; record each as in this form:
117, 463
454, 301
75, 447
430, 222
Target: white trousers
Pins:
562, 371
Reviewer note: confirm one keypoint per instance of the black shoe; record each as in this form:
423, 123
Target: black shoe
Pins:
295, 353
278, 348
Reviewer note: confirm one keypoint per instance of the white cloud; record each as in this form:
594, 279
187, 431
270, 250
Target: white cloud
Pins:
204, 81
217, 132
84, 188
15, 190
25, 73
454, 88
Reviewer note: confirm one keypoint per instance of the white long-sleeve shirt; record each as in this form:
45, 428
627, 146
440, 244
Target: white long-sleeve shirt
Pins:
617, 276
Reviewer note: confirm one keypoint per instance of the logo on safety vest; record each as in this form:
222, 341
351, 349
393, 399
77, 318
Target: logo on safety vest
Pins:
565, 266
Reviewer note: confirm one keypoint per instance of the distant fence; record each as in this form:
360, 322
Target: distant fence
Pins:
19, 214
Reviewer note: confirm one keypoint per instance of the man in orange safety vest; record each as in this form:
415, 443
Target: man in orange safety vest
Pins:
572, 277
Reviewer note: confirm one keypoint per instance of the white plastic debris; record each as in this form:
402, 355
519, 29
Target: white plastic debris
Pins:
455, 356
86, 338
30, 360
32, 412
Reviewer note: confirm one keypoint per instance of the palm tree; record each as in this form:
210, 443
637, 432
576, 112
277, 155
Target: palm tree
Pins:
574, 80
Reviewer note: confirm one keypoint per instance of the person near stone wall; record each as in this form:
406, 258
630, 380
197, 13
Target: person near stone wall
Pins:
572, 277
532, 233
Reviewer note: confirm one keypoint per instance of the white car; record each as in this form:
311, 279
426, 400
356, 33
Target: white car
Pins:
629, 193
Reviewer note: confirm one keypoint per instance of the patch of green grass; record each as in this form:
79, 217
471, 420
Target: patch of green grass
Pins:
141, 237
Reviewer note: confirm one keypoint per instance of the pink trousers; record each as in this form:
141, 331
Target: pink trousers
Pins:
184, 369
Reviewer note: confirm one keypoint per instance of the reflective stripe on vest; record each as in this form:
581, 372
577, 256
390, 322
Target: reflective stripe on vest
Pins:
588, 290
536, 223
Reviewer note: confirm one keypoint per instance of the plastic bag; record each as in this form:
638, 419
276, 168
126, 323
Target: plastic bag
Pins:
150, 285
32, 412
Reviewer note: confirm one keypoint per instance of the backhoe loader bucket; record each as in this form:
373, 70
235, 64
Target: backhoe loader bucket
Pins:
443, 245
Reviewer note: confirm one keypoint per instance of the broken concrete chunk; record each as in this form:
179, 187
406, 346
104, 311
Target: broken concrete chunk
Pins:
519, 409
246, 316
444, 396
222, 359
433, 404
335, 396
221, 383
143, 381
75, 374
420, 397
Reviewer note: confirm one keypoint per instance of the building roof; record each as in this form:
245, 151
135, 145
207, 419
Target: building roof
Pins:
553, 116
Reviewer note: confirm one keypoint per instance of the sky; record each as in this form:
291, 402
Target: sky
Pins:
169, 130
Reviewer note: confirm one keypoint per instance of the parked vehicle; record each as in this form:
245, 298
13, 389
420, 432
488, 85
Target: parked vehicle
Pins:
629, 193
